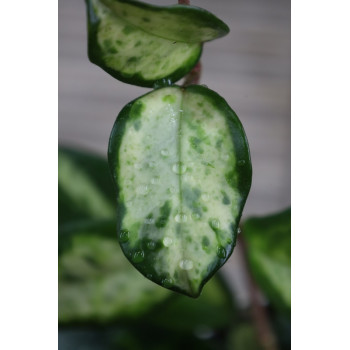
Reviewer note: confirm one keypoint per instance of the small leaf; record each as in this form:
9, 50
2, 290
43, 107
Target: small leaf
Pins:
179, 200
132, 55
269, 252
96, 283
85, 187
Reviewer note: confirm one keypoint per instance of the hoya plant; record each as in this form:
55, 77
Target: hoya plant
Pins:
169, 202
178, 155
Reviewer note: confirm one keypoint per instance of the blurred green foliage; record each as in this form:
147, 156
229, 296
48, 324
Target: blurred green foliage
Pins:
269, 253
106, 304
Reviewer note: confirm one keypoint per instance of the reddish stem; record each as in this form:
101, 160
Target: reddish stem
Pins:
194, 75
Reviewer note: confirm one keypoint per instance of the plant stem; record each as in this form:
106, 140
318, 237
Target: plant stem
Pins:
194, 75
260, 318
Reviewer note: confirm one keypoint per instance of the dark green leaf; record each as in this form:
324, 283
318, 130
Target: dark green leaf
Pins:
85, 187
268, 247
181, 164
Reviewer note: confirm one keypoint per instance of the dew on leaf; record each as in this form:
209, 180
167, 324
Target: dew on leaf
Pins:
124, 236
221, 252
186, 264
138, 256
167, 241
181, 217
179, 168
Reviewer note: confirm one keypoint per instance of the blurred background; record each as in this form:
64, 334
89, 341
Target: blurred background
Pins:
250, 68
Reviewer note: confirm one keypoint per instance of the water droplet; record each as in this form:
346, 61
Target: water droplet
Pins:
142, 189
172, 121
186, 264
138, 256
241, 162
195, 216
181, 217
149, 221
167, 282
221, 252
225, 156
239, 230
205, 197
152, 164
151, 245
138, 166
172, 190
167, 241
124, 236
164, 152
215, 223
179, 168
155, 180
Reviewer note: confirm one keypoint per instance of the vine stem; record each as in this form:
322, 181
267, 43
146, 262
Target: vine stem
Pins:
260, 318
194, 75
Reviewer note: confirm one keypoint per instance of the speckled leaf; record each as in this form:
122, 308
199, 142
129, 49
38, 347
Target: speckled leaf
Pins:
95, 281
132, 55
182, 23
268, 243
85, 187
181, 164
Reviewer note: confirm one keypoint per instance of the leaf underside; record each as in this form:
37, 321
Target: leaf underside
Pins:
182, 23
269, 253
182, 168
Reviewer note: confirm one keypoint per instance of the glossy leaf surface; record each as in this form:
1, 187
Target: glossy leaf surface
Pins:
85, 187
181, 164
269, 253
132, 55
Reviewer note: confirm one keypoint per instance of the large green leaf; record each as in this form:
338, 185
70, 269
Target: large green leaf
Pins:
85, 187
96, 282
143, 44
269, 249
181, 164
